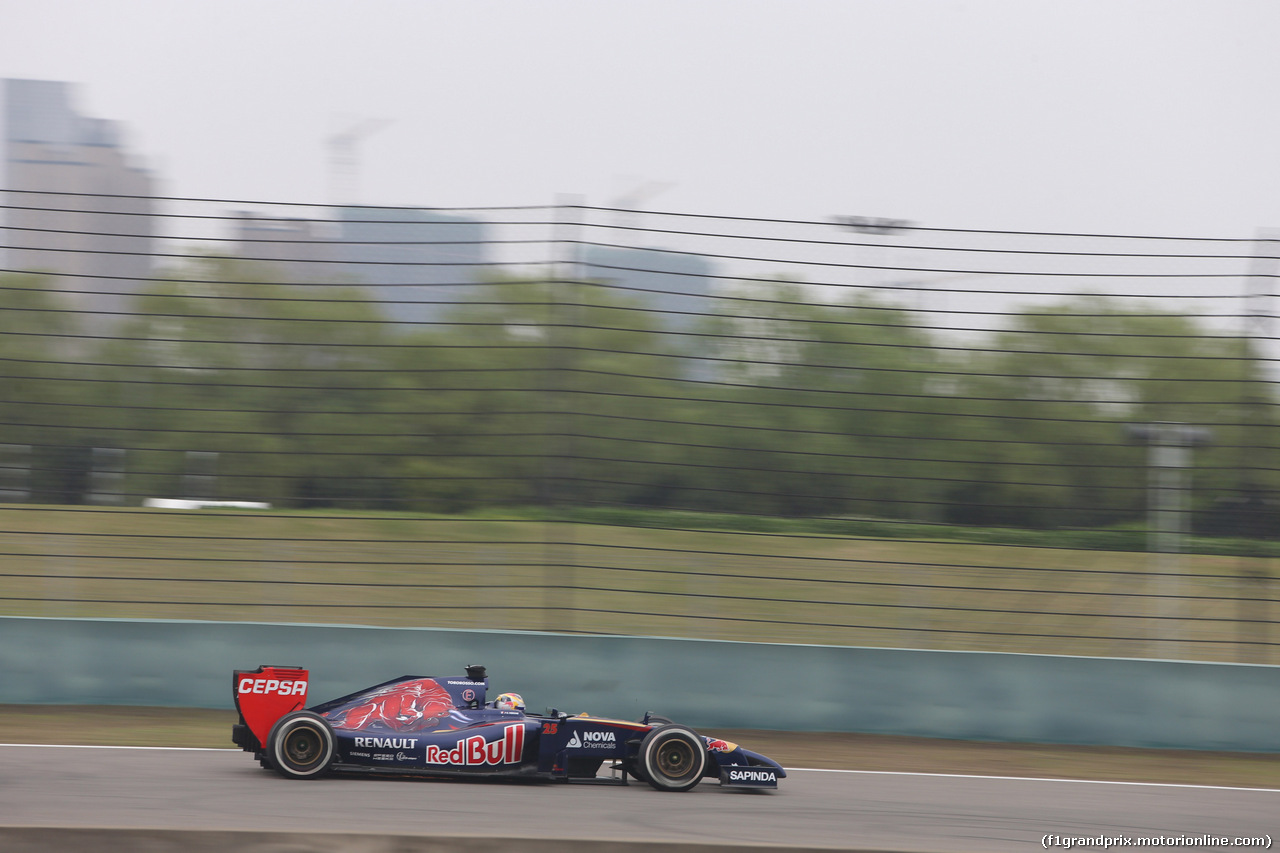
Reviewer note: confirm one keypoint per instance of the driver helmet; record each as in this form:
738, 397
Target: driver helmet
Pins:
509, 702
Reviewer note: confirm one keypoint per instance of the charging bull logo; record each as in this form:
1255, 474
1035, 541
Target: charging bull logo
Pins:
408, 706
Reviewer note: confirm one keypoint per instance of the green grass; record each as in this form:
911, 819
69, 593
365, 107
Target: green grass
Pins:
670, 574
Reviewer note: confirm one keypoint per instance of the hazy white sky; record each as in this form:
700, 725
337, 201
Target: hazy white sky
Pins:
1134, 116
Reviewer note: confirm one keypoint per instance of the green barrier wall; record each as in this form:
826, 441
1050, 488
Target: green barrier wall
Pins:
964, 695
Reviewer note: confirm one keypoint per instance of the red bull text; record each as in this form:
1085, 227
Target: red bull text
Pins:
475, 751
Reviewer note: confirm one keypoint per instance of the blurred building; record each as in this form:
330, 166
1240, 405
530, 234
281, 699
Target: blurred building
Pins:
76, 203
296, 251
414, 263
674, 285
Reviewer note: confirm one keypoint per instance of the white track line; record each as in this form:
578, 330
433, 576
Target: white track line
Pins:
1031, 779
789, 769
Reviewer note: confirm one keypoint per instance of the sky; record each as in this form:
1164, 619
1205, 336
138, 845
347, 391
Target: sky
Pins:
1116, 116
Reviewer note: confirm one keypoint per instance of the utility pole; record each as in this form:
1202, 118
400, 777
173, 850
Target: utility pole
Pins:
873, 224
1168, 512
558, 487
879, 226
1263, 267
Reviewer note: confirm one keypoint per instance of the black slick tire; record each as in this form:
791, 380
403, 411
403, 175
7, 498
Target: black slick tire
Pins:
672, 758
301, 745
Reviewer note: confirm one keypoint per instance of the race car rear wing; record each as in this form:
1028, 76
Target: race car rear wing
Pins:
264, 695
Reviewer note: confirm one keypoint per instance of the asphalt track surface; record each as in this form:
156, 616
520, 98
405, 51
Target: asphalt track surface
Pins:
122, 787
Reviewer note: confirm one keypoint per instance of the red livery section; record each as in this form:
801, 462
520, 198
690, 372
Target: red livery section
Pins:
406, 706
267, 693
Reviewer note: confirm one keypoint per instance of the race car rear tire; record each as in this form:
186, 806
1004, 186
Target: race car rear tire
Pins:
301, 746
672, 758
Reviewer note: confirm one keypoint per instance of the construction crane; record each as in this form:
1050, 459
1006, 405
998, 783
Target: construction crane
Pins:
626, 205
344, 159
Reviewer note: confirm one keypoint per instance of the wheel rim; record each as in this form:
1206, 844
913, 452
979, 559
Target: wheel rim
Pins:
303, 747
675, 759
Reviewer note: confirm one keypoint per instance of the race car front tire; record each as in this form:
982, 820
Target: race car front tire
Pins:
672, 758
301, 746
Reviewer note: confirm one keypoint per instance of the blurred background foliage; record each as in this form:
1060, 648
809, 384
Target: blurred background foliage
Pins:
565, 393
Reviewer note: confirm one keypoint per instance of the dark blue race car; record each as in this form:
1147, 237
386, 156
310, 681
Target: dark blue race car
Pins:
432, 726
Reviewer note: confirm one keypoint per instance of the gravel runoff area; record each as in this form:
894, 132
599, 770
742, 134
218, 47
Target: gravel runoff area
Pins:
180, 727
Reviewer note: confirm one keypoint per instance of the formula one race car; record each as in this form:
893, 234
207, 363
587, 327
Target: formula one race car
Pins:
416, 725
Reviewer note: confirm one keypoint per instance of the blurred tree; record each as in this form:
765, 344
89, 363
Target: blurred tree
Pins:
780, 401
539, 395
823, 406
1046, 405
272, 377
42, 429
